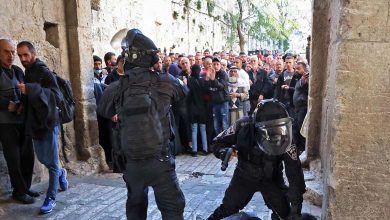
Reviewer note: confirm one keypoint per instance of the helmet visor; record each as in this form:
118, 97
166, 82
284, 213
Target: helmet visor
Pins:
275, 136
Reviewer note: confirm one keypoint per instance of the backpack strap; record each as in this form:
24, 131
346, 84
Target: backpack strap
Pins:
63, 143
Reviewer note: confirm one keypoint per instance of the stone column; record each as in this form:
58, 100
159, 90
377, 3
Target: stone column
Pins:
355, 127
319, 53
78, 25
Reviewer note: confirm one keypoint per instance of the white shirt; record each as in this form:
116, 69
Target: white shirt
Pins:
245, 79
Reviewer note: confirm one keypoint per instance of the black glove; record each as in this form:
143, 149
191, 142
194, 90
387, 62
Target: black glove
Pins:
307, 216
295, 212
294, 217
216, 149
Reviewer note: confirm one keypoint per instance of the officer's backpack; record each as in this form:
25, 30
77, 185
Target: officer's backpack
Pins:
140, 130
67, 102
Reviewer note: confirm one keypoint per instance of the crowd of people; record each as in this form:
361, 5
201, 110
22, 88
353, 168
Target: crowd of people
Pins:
155, 109
222, 87
199, 97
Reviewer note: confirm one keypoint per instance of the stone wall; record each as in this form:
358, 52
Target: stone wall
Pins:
44, 24
189, 32
355, 122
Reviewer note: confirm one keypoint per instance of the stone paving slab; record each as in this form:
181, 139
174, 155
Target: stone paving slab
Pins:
103, 196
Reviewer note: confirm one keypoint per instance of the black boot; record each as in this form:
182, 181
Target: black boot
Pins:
25, 199
32, 193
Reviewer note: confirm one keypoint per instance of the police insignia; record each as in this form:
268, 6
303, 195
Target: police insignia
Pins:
230, 130
292, 152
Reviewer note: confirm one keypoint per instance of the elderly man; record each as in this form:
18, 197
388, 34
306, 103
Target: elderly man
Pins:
224, 65
261, 87
18, 150
277, 71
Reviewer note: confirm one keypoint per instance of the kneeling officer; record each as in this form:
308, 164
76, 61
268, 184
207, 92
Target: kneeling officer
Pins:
263, 142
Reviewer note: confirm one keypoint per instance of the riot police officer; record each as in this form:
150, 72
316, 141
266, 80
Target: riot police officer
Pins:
263, 142
140, 103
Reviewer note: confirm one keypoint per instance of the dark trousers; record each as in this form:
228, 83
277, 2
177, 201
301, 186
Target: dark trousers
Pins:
245, 182
19, 154
105, 136
161, 176
300, 141
210, 131
183, 128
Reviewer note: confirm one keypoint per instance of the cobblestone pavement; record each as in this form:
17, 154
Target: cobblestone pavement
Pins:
103, 196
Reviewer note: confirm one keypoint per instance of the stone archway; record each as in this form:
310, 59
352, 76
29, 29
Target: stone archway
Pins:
349, 93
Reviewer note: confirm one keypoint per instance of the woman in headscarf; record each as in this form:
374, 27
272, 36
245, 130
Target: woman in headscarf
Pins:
197, 109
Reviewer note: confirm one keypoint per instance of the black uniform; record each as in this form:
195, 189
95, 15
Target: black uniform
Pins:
157, 171
255, 172
142, 99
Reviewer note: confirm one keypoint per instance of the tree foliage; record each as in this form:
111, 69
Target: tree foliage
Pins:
264, 20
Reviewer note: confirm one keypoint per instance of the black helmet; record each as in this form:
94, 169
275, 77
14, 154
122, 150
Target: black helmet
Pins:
273, 127
139, 50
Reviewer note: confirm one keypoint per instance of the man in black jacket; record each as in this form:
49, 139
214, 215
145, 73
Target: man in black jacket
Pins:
18, 150
106, 125
286, 86
261, 86
300, 98
110, 61
43, 119
219, 97
263, 143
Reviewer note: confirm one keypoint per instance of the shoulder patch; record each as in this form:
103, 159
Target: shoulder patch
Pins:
292, 152
229, 131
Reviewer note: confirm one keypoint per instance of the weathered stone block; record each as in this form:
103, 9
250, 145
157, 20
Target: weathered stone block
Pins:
366, 21
95, 5
355, 122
